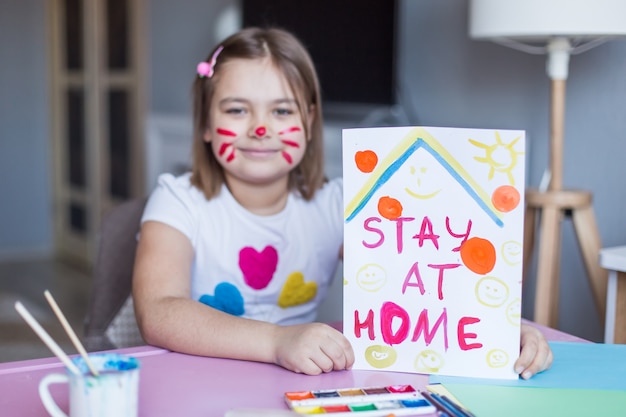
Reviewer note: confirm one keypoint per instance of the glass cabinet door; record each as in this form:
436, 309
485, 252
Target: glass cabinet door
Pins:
96, 116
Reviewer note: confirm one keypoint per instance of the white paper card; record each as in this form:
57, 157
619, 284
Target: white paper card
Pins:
433, 249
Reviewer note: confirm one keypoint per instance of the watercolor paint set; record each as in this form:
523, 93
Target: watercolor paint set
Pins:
396, 400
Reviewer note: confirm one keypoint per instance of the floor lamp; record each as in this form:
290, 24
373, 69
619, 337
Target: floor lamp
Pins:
556, 28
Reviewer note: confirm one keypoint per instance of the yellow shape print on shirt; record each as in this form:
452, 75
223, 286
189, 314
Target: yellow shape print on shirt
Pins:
296, 291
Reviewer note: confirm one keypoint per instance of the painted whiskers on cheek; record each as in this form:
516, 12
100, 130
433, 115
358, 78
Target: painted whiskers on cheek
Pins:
226, 145
226, 132
290, 130
288, 142
223, 150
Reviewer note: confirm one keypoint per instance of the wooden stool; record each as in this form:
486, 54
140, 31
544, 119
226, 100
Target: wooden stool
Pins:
554, 205
614, 259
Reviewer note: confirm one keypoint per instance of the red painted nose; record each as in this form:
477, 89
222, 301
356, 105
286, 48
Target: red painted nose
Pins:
260, 131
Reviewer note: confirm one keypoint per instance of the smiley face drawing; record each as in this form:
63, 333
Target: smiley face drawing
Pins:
514, 312
512, 252
371, 277
491, 291
428, 361
424, 181
380, 356
497, 358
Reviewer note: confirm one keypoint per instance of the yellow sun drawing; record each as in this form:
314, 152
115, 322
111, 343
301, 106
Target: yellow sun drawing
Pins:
501, 157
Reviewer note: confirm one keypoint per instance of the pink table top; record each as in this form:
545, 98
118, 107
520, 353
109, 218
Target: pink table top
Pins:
174, 384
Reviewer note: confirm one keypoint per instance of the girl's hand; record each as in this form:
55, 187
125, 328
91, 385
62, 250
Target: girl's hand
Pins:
535, 355
312, 349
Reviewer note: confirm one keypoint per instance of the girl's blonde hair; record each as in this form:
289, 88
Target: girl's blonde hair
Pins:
293, 61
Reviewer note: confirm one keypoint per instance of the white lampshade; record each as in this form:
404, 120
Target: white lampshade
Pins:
565, 26
541, 19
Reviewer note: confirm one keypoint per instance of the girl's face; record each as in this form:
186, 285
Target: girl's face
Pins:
255, 127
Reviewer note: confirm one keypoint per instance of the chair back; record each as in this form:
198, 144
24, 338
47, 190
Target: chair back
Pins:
110, 321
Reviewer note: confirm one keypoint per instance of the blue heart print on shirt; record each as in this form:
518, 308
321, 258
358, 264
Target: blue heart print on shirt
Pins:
227, 298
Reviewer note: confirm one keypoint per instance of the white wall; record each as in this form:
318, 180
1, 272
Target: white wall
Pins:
181, 34
25, 160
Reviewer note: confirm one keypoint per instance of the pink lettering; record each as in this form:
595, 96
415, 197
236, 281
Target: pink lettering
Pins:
414, 271
367, 324
381, 235
464, 235
426, 233
429, 334
441, 269
462, 335
388, 312
399, 236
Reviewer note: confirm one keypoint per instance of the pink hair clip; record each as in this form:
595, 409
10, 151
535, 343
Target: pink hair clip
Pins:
207, 69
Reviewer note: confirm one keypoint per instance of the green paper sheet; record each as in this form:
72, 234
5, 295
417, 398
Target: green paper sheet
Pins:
509, 401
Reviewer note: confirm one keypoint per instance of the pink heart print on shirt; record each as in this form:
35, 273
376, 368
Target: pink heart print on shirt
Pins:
258, 267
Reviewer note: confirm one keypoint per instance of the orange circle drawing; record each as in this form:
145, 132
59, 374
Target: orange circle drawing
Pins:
479, 255
366, 160
505, 198
389, 208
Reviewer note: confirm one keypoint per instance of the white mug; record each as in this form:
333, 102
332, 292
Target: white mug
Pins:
115, 392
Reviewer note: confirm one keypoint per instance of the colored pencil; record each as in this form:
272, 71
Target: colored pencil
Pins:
448, 406
443, 410
463, 411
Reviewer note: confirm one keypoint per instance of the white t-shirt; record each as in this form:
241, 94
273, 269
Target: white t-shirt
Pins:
273, 268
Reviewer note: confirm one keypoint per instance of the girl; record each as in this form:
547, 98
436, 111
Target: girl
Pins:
235, 257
